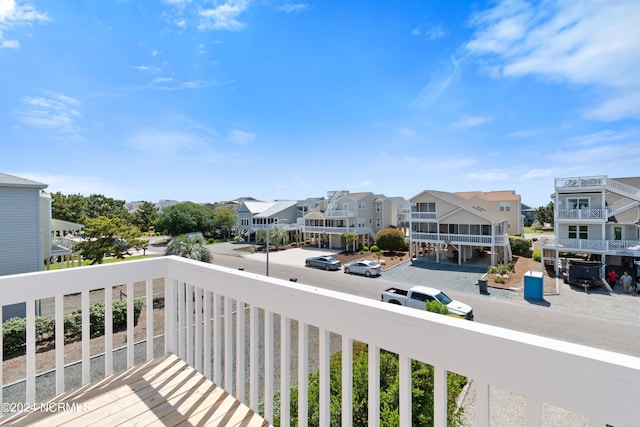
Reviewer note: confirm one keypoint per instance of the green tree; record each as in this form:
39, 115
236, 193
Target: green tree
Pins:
186, 217
544, 214
519, 245
145, 216
351, 239
100, 205
224, 220
391, 239
186, 247
277, 236
422, 392
71, 208
103, 236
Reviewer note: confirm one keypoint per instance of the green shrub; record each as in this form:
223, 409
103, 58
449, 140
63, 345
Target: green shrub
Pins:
537, 255
44, 326
14, 334
519, 245
500, 279
365, 248
375, 248
391, 239
436, 306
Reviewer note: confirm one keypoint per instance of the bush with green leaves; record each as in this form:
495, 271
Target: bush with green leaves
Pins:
391, 239
14, 330
519, 245
501, 269
537, 255
422, 392
436, 306
375, 248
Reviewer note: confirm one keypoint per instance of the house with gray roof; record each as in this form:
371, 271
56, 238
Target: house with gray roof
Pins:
254, 216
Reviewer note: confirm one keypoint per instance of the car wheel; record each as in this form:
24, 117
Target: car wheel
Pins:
346, 270
326, 267
367, 273
308, 264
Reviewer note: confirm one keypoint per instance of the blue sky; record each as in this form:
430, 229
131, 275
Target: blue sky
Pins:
213, 100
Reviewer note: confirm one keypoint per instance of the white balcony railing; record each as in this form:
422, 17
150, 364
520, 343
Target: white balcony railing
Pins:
576, 183
459, 238
589, 214
423, 215
221, 320
340, 213
592, 245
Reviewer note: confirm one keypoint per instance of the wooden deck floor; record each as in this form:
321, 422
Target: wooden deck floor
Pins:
163, 392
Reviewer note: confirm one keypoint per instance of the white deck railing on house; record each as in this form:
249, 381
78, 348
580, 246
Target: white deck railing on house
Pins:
199, 327
467, 239
591, 244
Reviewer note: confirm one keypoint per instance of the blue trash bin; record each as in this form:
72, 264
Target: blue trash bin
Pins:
533, 285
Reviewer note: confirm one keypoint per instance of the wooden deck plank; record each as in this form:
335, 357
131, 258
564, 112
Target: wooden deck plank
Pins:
165, 391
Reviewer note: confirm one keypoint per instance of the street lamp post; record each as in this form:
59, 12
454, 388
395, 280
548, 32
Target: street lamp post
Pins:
268, 232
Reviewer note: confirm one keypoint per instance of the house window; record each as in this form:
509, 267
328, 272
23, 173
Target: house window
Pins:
345, 206
578, 203
370, 221
428, 207
378, 222
244, 221
505, 206
578, 231
361, 205
378, 207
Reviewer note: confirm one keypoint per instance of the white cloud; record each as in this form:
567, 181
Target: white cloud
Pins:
471, 121
406, 131
525, 133
241, 137
605, 136
488, 176
434, 33
437, 85
586, 43
14, 14
224, 16
536, 173
56, 111
293, 7
416, 32
163, 142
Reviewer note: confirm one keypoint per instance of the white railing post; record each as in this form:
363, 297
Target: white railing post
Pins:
440, 396
268, 365
534, 412
482, 404
325, 385
374, 386
86, 337
130, 325
303, 373
254, 337
108, 330
170, 315
181, 311
228, 344
285, 370
31, 350
404, 388
149, 315
189, 325
217, 338
347, 381
198, 333
240, 350
59, 337
208, 332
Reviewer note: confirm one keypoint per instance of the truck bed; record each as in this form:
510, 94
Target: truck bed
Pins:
396, 291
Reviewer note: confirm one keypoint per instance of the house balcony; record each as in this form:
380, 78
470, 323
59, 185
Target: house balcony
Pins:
596, 183
340, 213
609, 247
590, 215
230, 327
335, 230
465, 239
424, 216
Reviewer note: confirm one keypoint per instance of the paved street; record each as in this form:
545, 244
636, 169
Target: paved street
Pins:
597, 318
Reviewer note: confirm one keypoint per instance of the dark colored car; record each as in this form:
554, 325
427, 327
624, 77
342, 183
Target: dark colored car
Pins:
326, 262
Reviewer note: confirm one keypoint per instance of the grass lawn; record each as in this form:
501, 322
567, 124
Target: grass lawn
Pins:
59, 265
529, 230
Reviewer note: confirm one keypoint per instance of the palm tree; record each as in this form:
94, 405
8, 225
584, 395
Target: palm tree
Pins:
278, 236
189, 248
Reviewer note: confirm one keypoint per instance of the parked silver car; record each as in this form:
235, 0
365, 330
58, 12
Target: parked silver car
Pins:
366, 268
326, 262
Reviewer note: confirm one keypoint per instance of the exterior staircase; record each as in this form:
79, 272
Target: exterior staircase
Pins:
332, 204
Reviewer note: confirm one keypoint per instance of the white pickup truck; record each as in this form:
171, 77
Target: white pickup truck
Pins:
417, 297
